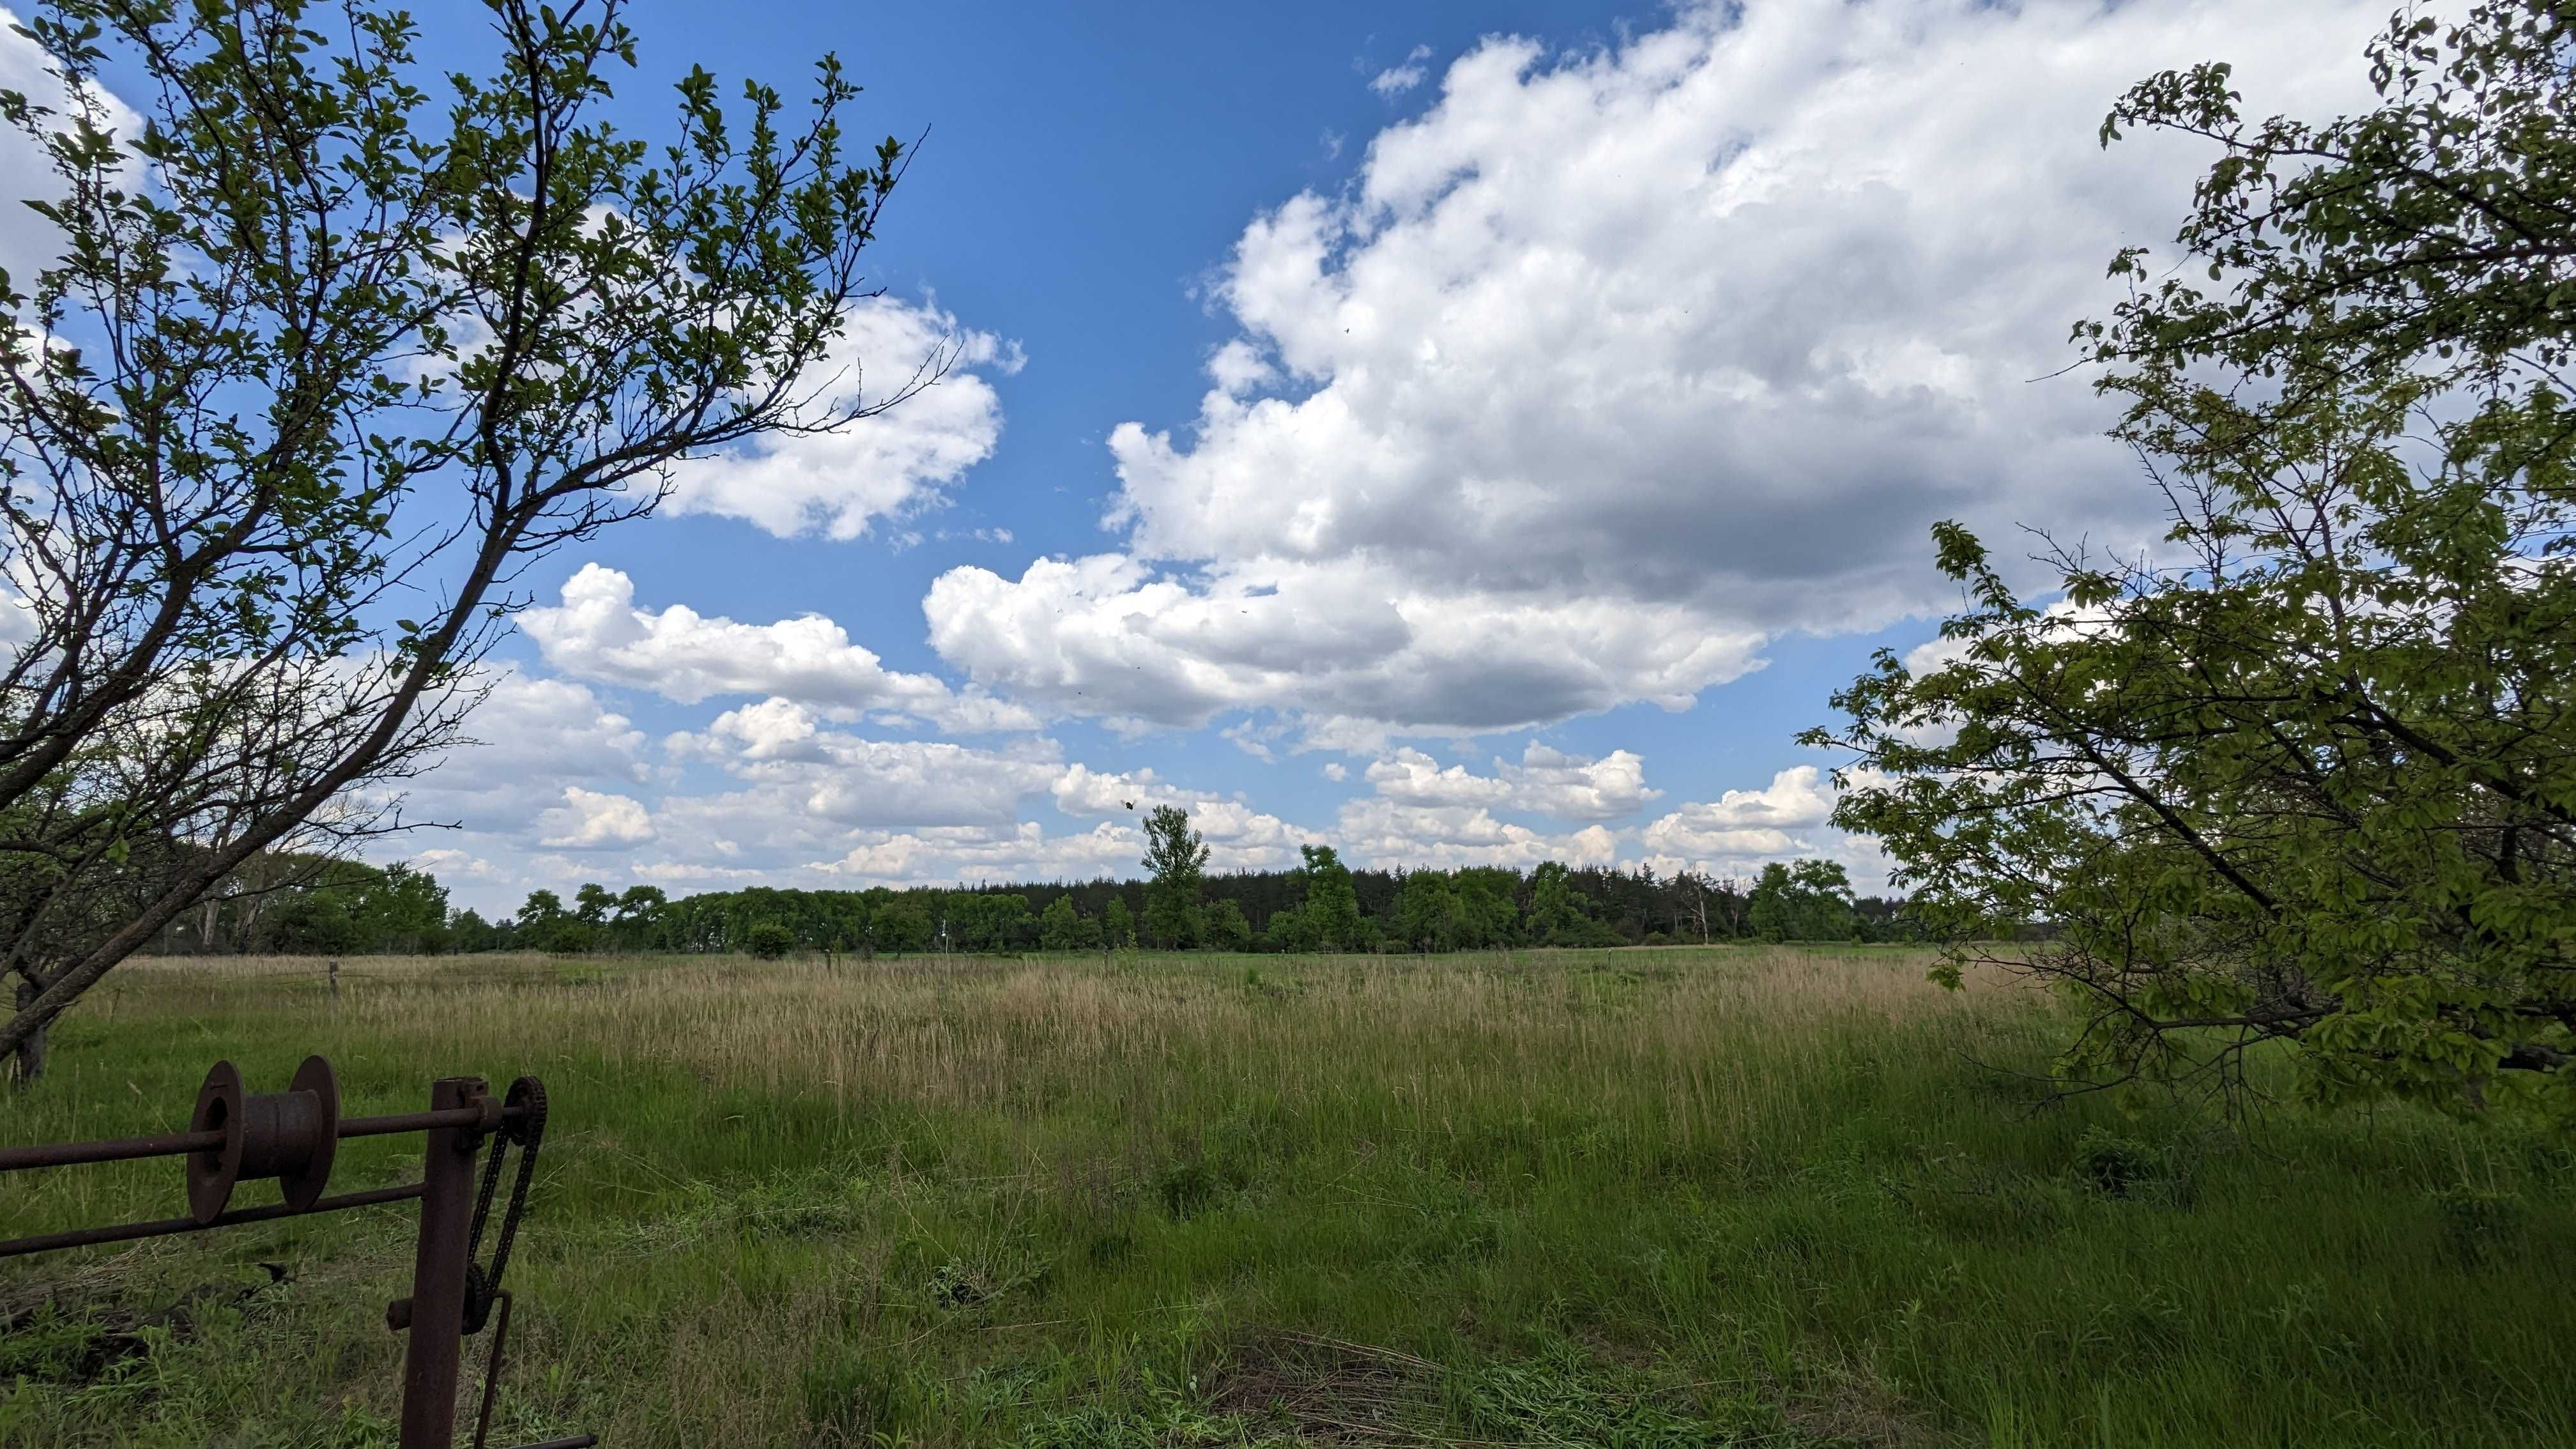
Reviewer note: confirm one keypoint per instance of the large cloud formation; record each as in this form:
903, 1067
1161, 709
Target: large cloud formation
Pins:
1612, 365
597, 633
1546, 781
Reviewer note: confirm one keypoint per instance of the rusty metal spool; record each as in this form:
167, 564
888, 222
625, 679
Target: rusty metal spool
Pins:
290, 1136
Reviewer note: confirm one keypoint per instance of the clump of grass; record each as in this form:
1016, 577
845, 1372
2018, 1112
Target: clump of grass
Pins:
1185, 1188
1564, 1396
2121, 1165
2481, 1225
2117, 1165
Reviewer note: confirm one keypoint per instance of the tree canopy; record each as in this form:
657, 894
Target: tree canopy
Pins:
1176, 858
2307, 773
1807, 900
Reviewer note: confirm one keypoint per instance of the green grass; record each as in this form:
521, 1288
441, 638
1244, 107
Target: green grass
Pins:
1676, 1197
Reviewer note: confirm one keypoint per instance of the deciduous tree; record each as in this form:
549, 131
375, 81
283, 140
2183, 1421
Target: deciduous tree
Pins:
1332, 909
2307, 776
319, 353
1806, 900
1425, 916
1177, 859
1061, 927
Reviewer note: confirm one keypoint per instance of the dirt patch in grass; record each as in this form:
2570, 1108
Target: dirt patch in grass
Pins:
1315, 1390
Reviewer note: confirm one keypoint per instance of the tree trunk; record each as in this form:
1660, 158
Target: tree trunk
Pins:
27, 1064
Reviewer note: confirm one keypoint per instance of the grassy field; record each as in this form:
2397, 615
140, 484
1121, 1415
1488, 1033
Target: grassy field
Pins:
1643, 1198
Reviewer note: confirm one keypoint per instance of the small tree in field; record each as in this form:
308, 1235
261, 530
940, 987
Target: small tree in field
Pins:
1332, 909
1425, 916
2308, 777
322, 366
1178, 860
1810, 900
1228, 929
1117, 925
1060, 926
769, 940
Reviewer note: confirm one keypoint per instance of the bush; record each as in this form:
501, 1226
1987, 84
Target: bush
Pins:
769, 940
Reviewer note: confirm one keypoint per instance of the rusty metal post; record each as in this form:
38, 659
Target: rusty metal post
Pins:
436, 1316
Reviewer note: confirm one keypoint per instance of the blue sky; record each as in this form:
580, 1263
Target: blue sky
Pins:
1456, 432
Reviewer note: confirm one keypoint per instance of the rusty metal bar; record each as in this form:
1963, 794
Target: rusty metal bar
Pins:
122, 1149
180, 1144
433, 1354
429, 1121
126, 1232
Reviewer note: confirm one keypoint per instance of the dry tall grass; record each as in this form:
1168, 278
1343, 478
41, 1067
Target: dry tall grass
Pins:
1465, 1036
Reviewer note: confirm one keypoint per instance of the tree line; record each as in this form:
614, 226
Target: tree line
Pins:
342, 907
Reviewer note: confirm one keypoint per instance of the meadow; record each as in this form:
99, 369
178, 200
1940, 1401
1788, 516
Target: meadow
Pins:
1740, 1195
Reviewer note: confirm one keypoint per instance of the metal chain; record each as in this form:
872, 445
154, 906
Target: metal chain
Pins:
482, 1289
532, 1130
528, 1131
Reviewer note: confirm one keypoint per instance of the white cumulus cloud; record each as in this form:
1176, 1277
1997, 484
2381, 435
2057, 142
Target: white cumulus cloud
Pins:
1736, 833
592, 820
598, 633
1239, 836
1544, 781
529, 737
1024, 853
1386, 833
1357, 649
452, 865
840, 484
1613, 365
801, 779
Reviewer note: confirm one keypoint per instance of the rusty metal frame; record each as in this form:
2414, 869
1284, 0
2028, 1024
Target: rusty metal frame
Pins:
290, 1137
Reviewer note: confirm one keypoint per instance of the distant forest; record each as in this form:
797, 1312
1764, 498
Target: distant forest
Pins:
301, 904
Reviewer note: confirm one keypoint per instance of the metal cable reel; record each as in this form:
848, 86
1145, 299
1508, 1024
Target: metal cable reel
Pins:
292, 1138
